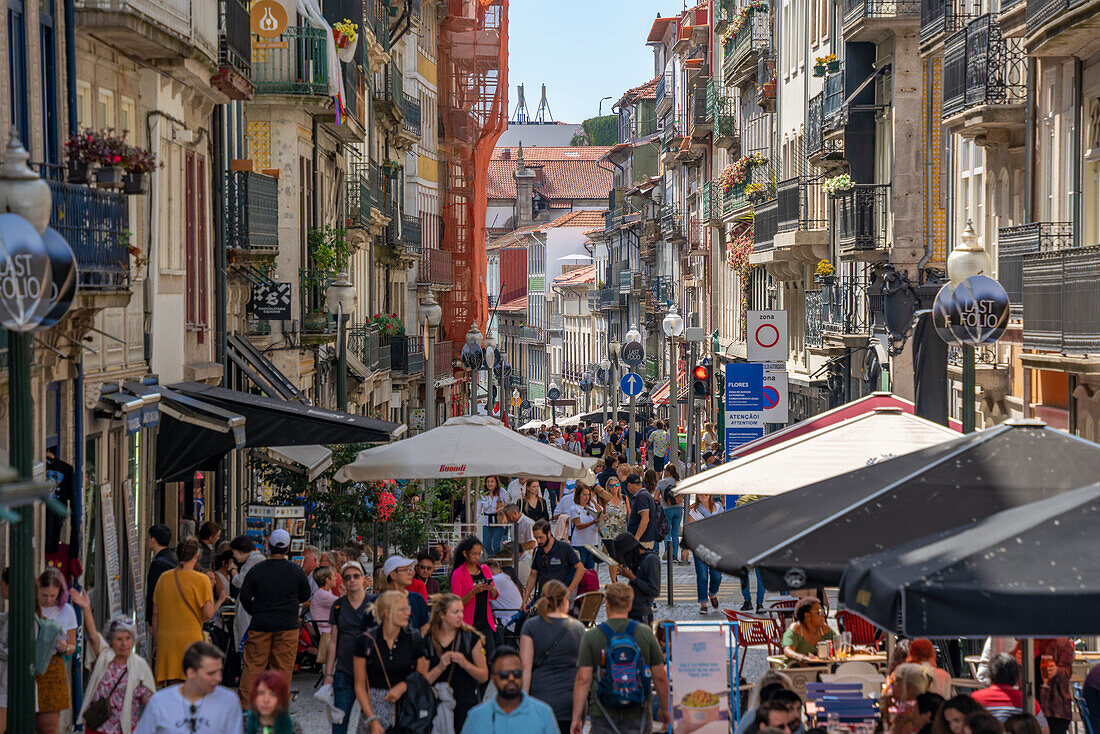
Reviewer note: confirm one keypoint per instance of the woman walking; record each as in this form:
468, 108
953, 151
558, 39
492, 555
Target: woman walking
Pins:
533, 505
548, 647
707, 579
182, 602
456, 655
584, 515
489, 507
121, 677
472, 582
347, 620
384, 657
53, 683
613, 520
673, 509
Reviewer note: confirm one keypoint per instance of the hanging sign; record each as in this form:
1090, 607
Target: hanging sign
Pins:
973, 314
110, 548
24, 275
767, 334
632, 353
270, 301
62, 288
268, 18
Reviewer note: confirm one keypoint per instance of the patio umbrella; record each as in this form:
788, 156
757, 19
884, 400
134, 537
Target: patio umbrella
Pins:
804, 537
466, 446
1031, 571
881, 434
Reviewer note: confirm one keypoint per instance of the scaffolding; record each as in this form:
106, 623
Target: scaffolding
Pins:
473, 102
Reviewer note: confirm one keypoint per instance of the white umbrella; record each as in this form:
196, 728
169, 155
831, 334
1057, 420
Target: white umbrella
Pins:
811, 457
533, 424
467, 446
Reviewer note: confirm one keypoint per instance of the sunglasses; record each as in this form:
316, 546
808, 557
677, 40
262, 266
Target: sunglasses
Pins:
503, 674
426, 568
192, 723
352, 576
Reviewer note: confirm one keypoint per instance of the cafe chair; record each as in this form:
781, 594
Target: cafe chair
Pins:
588, 606
1083, 708
863, 632
754, 631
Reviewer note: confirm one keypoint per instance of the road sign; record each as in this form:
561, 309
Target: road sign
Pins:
767, 332
270, 300
601, 376
515, 400
742, 427
633, 353
553, 393
775, 397
631, 384
744, 386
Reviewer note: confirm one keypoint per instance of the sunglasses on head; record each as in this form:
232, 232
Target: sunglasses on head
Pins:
502, 674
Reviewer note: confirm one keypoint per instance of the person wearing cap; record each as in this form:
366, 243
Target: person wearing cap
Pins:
246, 556
643, 509
399, 572
272, 593
642, 569
164, 559
347, 619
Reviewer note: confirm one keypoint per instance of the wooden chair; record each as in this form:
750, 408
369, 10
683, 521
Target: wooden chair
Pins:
589, 607
863, 632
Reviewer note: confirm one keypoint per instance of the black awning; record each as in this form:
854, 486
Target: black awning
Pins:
193, 436
259, 369
806, 536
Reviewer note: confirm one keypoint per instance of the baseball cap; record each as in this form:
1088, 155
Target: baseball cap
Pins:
395, 562
279, 539
633, 479
353, 564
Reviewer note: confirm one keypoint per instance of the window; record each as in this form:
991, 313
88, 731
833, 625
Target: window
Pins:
171, 209
106, 108
195, 243
84, 104
48, 54
17, 70
126, 119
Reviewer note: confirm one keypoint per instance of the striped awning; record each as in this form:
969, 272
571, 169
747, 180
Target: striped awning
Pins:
659, 395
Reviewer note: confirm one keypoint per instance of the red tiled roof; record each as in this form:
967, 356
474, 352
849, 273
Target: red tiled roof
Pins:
645, 91
586, 218
515, 305
566, 173
580, 276
657, 32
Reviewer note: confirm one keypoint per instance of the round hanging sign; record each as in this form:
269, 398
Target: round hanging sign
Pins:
63, 273
25, 280
633, 353
974, 313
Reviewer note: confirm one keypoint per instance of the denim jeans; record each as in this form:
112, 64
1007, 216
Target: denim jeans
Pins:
587, 559
493, 537
675, 516
707, 580
343, 691
759, 589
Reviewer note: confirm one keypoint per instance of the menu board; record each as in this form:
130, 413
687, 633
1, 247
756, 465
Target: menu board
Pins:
699, 677
110, 548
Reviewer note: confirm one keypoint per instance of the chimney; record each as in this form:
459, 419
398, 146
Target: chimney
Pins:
525, 192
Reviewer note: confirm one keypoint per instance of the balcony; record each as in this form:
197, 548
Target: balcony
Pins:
764, 222
1015, 243
410, 237
299, 69
358, 196
1040, 12
875, 20
443, 359
317, 322
1061, 300
741, 51
672, 224
407, 354
838, 315
700, 121
410, 111
436, 268
234, 76
148, 29
252, 215
984, 82
530, 335
724, 13
672, 138
942, 17
607, 299
833, 112
815, 118
661, 294
378, 356
557, 322
722, 111
665, 90
698, 237
95, 223
389, 101
862, 214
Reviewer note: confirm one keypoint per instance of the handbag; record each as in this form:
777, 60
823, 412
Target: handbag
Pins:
99, 710
205, 632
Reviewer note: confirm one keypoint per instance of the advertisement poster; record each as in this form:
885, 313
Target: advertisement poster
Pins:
110, 548
698, 673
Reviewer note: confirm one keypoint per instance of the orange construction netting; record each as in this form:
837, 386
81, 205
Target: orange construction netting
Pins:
473, 101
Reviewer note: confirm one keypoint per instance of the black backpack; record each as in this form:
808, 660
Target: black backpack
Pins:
415, 711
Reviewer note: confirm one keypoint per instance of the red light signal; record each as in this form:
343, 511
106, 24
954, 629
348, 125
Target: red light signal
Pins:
701, 384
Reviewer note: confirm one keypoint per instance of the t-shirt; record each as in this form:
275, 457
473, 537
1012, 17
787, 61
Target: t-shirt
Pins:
168, 712
1003, 701
591, 654
64, 615
584, 536
349, 623
320, 604
514, 491
396, 663
639, 502
272, 592
800, 644
659, 438
525, 529
595, 449
552, 678
559, 563
509, 599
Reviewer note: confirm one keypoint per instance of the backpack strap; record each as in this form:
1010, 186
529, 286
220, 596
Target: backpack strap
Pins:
606, 629
631, 626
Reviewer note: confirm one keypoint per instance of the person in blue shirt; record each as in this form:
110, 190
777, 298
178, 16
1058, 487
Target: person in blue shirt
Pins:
511, 710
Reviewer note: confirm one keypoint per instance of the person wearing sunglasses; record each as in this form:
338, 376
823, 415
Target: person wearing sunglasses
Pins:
347, 620
198, 705
510, 710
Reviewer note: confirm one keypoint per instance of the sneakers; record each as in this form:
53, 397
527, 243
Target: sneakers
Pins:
746, 606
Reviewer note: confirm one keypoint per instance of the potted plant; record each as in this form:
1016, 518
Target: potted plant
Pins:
825, 273
755, 192
137, 162
822, 64
837, 185
80, 150
388, 325
344, 33
832, 62
109, 153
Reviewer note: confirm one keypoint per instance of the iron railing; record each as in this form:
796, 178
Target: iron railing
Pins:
315, 316
663, 292
815, 119
235, 37
407, 354
436, 267
672, 222
358, 194
607, 299
252, 211
1061, 300
755, 35
1014, 243
722, 110
764, 223
95, 223
443, 358
411, 237
300, 68
943, 16
665, 89
841, 308
856, 10
797, 201
1041, 11
981, 67
832, 110
530, 334
724, 13
699, 117
410, 110
862, 213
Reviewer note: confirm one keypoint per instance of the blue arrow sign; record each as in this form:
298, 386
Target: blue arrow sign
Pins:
631, 384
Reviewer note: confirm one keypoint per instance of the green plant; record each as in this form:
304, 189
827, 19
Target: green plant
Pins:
387, 324
83, 146
328, 249
836, 184
825, 269
828, 58
602, 130
138, 160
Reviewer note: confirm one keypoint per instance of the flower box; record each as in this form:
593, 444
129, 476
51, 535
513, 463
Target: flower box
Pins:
340, 39
834, 65
109, 177
78, 171
133, 183
826, 280
819, 69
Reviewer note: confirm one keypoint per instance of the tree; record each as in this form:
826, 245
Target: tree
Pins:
598, 131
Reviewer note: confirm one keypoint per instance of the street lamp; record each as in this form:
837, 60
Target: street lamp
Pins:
472, 359
605, 365
430, 314
553, 392
673, 326
968, 259
341, 300
633, 337
515, 406
491, 356
613, 348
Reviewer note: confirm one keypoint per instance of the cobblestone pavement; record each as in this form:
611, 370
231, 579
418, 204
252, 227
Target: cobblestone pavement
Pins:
311, 715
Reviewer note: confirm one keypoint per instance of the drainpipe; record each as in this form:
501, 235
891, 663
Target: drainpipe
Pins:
1075, 152
70, 64
219, 168
1029, 149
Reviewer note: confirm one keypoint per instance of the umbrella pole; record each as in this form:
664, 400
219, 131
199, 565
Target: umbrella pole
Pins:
1027, 672
470, 505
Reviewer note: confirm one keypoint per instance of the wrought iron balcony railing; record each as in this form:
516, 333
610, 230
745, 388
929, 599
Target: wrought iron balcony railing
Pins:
1041, 11
724, 13
980, 67
862, 217
672, 223
841, 308
832, 110
607, 299
235, 37
755, 35
939, 17
410, 236
663, 292
665, 90
443, 358
856, 10
798, 210
299, 69
436, 267
1061, 300
410, 109
315, 316
815, 119
407, 354
1014, 243
722, 110
358, 195
95, 223
764, 222
252, 212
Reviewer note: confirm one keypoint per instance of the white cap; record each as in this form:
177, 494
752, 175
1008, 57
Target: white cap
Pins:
279, 539
395, 562
353, 564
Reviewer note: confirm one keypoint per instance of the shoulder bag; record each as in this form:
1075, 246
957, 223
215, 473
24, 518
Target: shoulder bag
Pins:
99, 710
414, 711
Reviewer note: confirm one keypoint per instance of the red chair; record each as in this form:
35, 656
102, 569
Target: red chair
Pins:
754, 631
863, 632
782, 610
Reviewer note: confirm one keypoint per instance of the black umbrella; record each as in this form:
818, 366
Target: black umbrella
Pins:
806, 536
1032, 571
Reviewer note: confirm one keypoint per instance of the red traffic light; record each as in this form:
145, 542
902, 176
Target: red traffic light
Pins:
702, 372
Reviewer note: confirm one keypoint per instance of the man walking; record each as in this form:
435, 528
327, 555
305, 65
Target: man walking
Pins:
246, 556
641, 522
516, 711
198, 704
272, 592
164, 559
642, 568
621, 704
553, 560
659, 446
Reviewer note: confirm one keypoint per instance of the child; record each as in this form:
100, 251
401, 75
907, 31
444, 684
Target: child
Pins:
270, 712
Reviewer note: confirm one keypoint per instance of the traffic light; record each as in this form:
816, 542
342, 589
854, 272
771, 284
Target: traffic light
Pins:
700, 383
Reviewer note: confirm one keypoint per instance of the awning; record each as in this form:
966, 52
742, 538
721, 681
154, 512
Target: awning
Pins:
259, 369
356, 368
119, 405
836, 415
194, 435
150, 403
659, 395
309, 460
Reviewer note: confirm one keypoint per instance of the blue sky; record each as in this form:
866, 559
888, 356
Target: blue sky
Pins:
582, 50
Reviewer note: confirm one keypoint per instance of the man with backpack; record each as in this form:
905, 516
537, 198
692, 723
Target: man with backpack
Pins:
622, 657
642, 568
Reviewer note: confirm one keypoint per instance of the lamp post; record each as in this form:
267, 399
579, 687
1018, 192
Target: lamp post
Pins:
515, 406
430, 314
491, 356
341, 300
673, 326
605, 365
613, 347
552, 392
968, 259
472, 359
633, 337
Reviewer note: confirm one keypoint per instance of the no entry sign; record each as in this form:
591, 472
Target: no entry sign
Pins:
767, 334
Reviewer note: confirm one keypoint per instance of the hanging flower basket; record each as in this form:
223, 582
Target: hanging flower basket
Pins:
837, 185
340, 39
78, 171
109, 177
